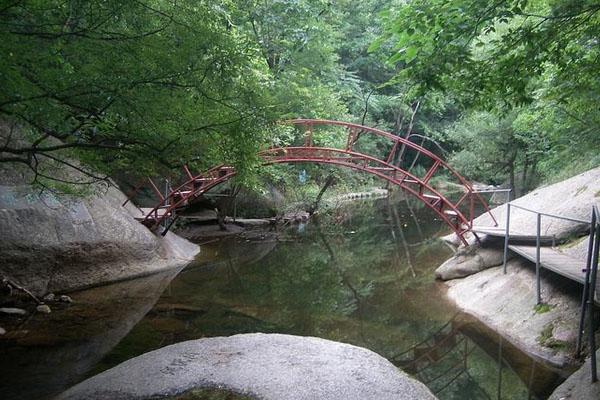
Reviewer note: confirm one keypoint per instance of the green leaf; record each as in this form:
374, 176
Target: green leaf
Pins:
411, 54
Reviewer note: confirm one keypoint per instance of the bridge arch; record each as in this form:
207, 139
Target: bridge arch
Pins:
457, 214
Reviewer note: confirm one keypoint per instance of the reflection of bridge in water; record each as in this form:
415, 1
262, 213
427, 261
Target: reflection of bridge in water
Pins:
444, 357
422, 359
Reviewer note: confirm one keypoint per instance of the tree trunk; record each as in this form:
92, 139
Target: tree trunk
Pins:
315, 205
511, 179
414, 108
524, 177
220, 219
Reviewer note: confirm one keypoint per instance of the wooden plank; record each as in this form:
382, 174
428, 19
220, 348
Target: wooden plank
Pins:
562, 264
553, 260
514, 236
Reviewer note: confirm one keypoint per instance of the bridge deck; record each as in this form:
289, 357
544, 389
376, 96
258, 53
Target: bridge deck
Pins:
145, 211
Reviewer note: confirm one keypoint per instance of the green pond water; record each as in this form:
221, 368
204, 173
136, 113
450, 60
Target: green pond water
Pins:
364, 275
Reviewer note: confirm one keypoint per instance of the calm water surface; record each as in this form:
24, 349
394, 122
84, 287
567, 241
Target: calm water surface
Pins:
362, 276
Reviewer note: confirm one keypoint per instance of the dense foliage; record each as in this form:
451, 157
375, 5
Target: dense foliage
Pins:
532, 66
131, 85
505, 90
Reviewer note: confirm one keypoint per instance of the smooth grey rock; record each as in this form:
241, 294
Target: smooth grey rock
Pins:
65, 299
572, 197
44, 309
507, 304
579, 386
12, 311
265, 366
51, 241
468, 261
49, 297
2, 331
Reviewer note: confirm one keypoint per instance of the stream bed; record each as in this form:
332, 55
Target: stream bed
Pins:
364, 275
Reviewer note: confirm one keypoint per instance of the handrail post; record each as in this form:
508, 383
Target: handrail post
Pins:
586, 284
167, 192
506, 236
471, 209
592, 322
537, 258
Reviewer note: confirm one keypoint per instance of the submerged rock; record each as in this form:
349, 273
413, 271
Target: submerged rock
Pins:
65, 299
49, 297
265, 366
2, 331
44, 309
12, 311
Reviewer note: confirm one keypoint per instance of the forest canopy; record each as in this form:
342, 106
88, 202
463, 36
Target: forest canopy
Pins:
507, 89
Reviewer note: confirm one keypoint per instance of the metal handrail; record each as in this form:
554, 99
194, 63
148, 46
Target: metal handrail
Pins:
591, 272
492, 190
539, 215
550, 215
508, 192
589, 288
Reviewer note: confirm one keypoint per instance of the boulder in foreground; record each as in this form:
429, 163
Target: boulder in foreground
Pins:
265, 366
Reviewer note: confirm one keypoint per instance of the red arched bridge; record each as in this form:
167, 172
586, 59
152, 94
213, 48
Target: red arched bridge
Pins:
457, 213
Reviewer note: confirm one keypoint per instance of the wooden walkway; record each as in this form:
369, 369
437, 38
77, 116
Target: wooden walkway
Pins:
559, 263
550, 258
555, 261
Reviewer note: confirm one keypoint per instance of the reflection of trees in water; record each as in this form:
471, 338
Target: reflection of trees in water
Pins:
356, 294
360, 281
51, 352
348, 282
396, 225
323, 285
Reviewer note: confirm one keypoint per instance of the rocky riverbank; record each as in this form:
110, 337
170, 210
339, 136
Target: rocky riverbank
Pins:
43, 354
507, 302
53, 242
578, 386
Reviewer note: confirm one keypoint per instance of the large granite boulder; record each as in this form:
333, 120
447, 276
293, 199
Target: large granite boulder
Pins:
264, 366
52, 242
